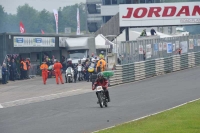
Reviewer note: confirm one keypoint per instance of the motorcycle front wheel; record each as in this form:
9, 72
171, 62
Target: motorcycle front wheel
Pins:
100, 99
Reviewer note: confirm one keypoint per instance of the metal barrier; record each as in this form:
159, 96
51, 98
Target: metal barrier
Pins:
33, 71
0, 73
132, 51
145, 69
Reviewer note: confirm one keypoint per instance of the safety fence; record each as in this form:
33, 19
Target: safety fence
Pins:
0, 73
147, 49
145, 69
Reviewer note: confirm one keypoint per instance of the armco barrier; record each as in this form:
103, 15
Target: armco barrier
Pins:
0, 73
145, 69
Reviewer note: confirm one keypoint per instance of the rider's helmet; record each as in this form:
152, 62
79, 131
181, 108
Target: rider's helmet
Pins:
69, 60
100, 75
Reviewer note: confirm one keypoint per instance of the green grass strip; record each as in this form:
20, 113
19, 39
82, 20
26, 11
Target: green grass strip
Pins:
184, 119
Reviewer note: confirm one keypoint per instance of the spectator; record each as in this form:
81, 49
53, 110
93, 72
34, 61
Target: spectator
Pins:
4, 73
8, 70
144, 55
152, 32
28, 64
13, 68
143, 33
179, 50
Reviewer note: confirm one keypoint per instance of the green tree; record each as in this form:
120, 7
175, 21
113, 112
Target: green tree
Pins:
68, 17
2, 20
29, 16
46, 21
12, 23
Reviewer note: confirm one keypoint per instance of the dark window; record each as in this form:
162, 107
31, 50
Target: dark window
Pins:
114, 2
92, 27
106, 18
92, 8
135, 1
128, 2
149, 1
122, 2
142, 1
107, 2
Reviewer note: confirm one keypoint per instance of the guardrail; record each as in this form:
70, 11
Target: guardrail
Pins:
146, 69
0, 73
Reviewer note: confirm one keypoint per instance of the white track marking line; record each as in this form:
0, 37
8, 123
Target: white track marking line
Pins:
1, 106
148, 115
37, 99
44, 96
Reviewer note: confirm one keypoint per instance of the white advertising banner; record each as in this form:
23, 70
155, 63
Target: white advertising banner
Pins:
56, 19
184, 47
174, 47
156, 14
198, 42
78, 23
140, 49
164, 46
160, 46
148, 51
177, 44
191, 44
34, 41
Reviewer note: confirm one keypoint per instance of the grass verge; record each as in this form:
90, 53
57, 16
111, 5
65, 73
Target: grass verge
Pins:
184, 119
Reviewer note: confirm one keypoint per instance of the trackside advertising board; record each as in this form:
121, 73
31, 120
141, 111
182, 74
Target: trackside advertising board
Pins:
34, 41
156, 14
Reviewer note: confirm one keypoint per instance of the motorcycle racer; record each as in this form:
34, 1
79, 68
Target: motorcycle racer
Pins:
101, 81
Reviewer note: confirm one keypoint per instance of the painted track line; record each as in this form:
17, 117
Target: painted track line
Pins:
148, 115
40, 98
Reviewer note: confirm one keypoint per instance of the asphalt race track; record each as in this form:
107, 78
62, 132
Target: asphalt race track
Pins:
81, 114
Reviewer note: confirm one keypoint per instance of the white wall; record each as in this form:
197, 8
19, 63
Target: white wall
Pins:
109, 10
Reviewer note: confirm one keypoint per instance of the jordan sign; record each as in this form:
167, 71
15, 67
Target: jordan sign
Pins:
157, 14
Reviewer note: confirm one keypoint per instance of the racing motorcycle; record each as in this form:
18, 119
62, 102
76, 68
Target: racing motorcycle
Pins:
102, 100
69, 76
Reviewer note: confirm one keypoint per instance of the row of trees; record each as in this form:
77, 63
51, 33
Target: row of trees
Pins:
34, 20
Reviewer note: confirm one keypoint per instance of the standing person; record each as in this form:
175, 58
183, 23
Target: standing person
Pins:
23, 67
28, 64
152, 32
13, 68
87, 64
143, 33
4, 73
8, 70
57, 68
144, 55
101, 65
44, 68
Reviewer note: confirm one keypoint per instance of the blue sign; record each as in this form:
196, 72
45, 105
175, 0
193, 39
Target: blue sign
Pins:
38, 40
19, 40
195, 42
155, 47
169, 48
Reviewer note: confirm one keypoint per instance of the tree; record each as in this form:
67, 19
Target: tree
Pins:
46, 21
2, 20
29, 16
